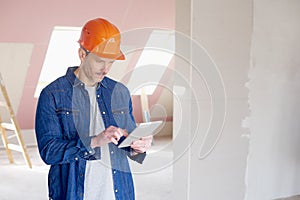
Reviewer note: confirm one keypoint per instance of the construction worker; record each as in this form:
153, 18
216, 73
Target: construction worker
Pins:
82, 117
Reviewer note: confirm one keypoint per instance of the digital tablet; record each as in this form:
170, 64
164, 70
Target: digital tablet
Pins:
143, 130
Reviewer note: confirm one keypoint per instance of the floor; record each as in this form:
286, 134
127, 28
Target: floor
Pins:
153, 179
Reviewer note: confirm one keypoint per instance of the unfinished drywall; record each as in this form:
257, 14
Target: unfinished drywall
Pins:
15, 59
274, 161
223, 29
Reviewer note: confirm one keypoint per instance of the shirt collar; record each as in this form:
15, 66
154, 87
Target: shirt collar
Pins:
104, 82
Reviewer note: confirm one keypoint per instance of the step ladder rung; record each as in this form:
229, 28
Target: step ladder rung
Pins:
15, 147
11, 136
8, 126
20, 147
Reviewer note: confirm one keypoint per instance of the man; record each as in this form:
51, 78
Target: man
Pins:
82, 117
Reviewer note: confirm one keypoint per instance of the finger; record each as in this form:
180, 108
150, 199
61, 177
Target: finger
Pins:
139, 149
147, 141
121, 132
139, 144
136, 148
113, 129
125, 132
113, 140
150, 137
117, 135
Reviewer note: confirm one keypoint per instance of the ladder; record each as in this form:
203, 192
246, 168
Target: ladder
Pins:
13, 126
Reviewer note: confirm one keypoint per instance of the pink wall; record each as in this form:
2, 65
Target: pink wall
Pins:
32, 21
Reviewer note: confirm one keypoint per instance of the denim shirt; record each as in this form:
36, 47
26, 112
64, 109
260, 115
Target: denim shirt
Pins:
62, 131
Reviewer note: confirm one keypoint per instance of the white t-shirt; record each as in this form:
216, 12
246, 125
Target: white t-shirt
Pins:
98, 182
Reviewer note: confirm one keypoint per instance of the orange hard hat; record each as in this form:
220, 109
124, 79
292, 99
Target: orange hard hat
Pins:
102, 38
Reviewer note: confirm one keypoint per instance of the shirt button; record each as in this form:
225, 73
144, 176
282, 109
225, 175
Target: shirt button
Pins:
116, 191
103, 112
98, 95
112, 152
76, 158
114, 172
81, 175
90, 151
85, 153
67, 113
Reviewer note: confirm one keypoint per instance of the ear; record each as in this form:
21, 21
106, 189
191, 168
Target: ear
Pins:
81, 54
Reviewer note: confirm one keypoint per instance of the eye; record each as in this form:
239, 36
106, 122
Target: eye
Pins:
100, 61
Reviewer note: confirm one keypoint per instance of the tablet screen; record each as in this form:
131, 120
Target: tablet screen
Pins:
143, 130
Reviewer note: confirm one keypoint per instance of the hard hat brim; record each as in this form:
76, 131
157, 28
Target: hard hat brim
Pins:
119, 56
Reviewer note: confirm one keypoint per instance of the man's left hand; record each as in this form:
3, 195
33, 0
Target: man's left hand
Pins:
142, 145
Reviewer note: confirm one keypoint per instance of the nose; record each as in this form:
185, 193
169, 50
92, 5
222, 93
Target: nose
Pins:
104, 66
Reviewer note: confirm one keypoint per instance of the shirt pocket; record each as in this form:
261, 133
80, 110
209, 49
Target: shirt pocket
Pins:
122, 117
66, 118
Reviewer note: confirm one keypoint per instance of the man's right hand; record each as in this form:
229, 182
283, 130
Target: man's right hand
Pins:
111, 134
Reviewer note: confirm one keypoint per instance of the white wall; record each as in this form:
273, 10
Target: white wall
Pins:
224, 29
274, 159
181, 102
264, 55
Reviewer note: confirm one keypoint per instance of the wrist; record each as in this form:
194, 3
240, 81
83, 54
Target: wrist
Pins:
97, 141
